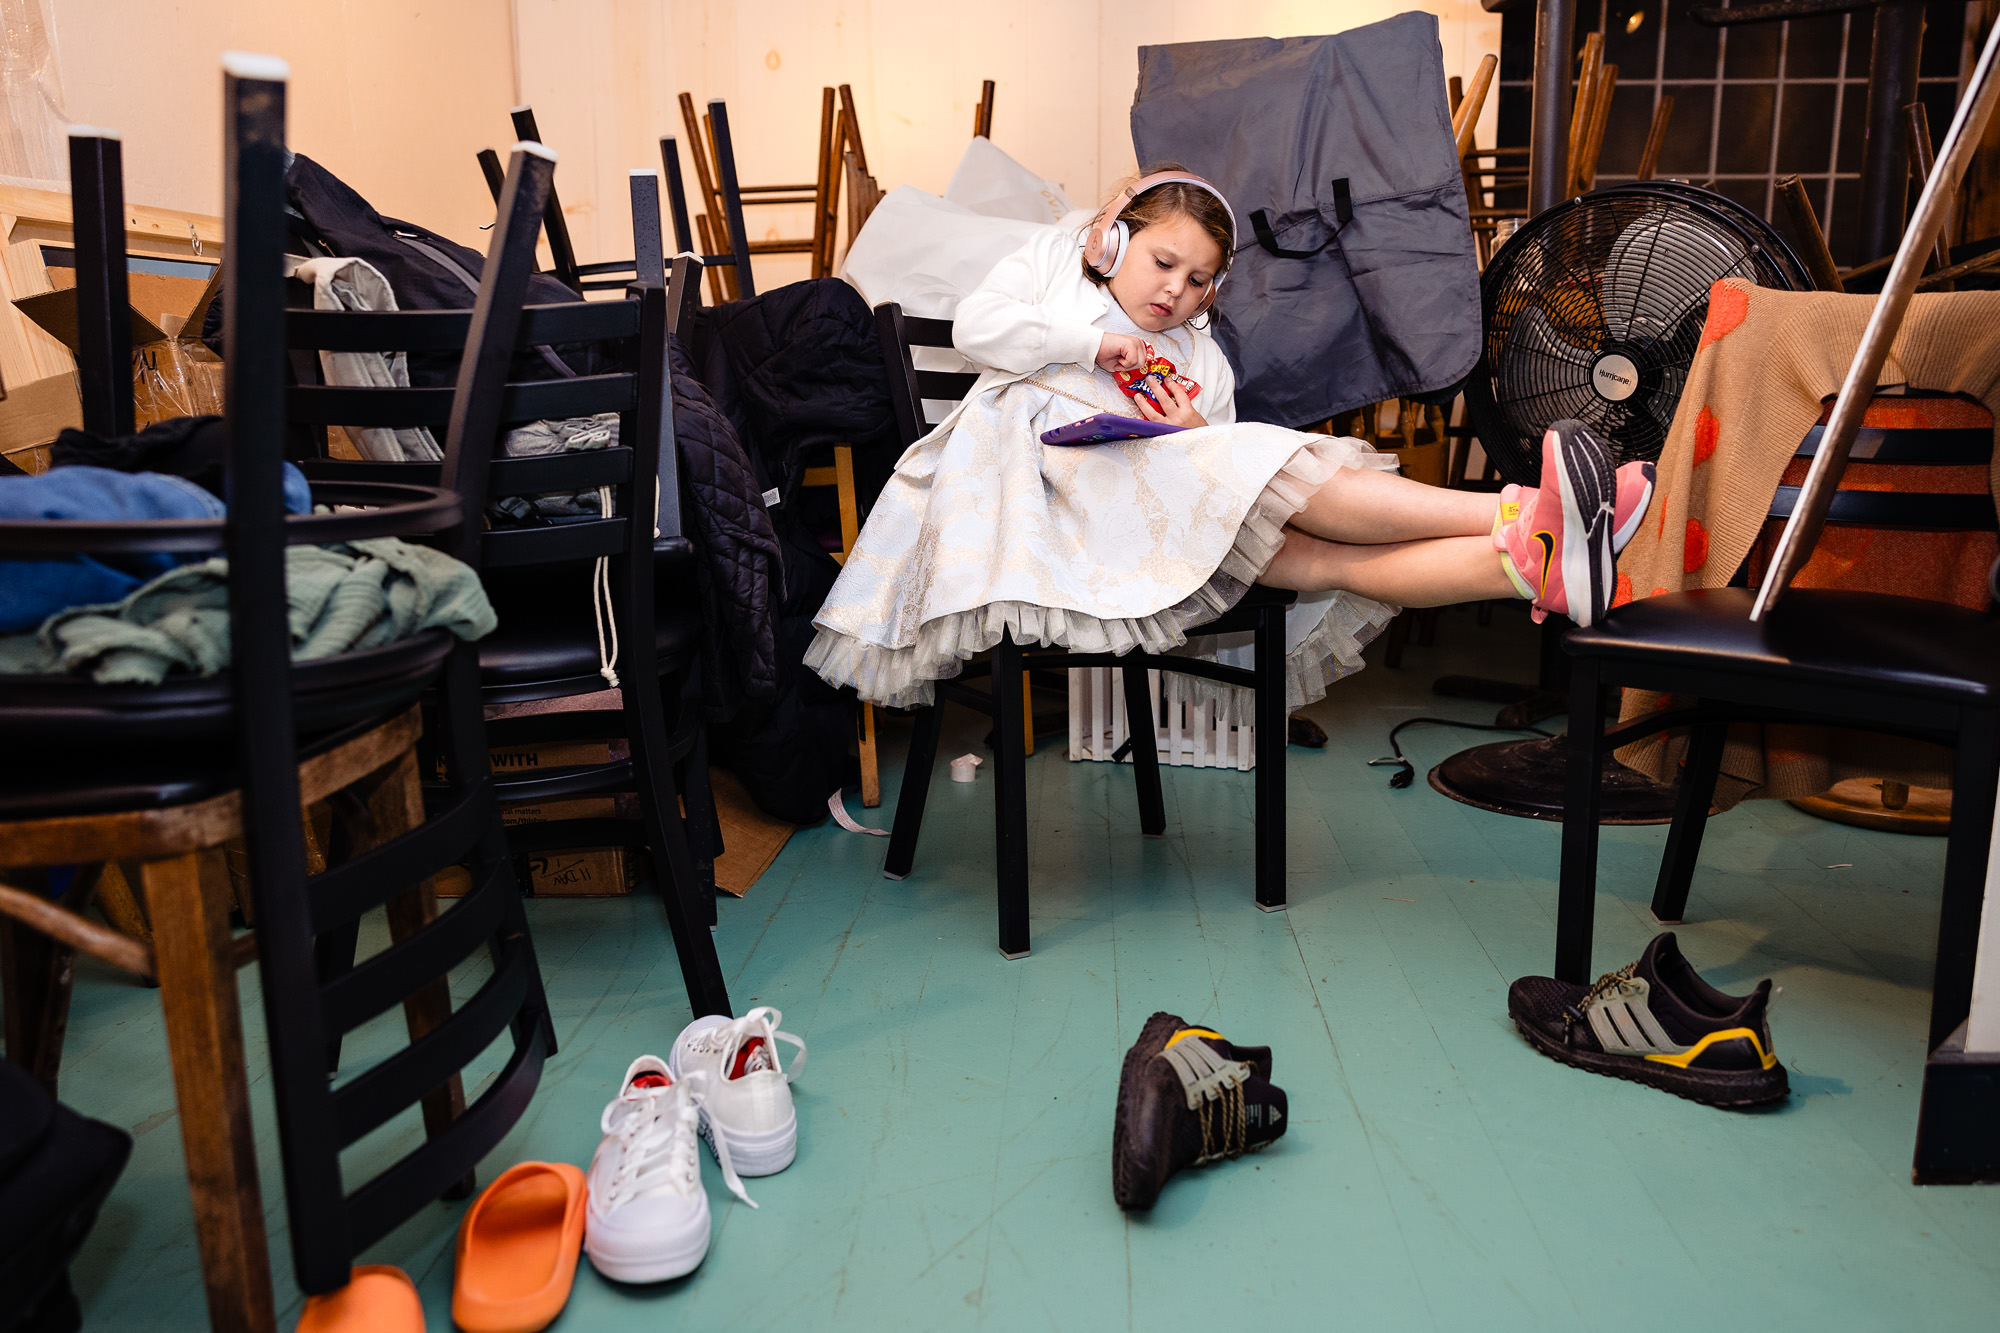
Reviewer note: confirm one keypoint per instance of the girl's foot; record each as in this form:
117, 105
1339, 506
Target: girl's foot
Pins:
1635, 496
1557, 547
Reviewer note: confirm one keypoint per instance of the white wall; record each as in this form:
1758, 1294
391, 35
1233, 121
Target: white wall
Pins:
397, 96
1066, 71
393, 96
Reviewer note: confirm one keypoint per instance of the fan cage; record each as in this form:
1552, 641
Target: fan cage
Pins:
1593, 311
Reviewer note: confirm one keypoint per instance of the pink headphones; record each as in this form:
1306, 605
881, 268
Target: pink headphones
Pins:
1107, 239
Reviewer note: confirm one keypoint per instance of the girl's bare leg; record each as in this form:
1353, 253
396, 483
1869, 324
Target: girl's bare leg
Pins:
1433, 572
1365, 507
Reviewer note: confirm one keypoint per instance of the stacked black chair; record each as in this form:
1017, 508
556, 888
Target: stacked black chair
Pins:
550, 638
1261, 612
647, 264
153, 774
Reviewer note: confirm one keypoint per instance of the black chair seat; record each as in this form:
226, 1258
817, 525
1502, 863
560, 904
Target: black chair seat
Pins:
329, 693
1813, 637
85, 780
556, 644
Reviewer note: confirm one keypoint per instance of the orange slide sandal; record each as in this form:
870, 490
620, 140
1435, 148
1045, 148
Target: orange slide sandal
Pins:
517, 1249
376, 1299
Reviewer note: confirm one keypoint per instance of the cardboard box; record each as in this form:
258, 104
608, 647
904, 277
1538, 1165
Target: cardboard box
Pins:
32, 415
586, 872
173, 373
553, 754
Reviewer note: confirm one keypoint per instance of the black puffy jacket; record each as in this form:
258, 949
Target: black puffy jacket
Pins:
795, 370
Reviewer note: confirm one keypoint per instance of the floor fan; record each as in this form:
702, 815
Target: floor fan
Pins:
1593, 311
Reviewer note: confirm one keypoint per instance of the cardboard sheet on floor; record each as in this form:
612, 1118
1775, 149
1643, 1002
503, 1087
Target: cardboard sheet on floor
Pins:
752, 839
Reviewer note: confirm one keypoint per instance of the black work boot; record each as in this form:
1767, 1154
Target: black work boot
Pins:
1187, 1097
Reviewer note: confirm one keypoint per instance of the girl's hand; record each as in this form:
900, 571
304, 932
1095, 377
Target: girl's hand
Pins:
1121, 351
1178, 410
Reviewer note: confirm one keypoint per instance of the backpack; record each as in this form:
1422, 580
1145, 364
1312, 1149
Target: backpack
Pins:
426, 271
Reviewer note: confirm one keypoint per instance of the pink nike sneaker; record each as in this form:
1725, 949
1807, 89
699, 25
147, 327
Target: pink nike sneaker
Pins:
1557, 540
1635, 496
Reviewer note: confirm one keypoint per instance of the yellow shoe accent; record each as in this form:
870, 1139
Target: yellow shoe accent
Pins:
1686, 1057
1192, 1032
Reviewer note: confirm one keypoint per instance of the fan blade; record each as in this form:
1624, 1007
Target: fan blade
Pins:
1658, 268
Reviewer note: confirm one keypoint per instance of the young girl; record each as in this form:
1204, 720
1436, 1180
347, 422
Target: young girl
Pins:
1123, 545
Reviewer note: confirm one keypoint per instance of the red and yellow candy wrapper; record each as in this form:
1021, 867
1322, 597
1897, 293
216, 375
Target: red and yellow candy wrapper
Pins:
1133, 382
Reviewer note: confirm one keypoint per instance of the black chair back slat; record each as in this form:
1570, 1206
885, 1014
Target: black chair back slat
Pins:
378, 330
1941, 447
554, 472
371, 1100
511, 548
380, 982
381, 1205
535, 400
732, 198
579, 321
103, 317
448, 330
945, 385
922, 331
1898, 509
342, 894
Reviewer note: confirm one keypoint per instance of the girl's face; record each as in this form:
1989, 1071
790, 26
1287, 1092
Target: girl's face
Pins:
1166, 273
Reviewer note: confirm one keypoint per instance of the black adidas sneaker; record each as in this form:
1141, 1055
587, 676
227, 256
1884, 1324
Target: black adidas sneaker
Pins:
1187, 1097
1654, 1021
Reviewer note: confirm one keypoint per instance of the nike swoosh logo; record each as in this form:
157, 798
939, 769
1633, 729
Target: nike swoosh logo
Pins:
1548, 541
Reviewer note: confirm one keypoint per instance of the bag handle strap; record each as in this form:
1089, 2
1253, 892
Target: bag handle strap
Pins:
1343, 209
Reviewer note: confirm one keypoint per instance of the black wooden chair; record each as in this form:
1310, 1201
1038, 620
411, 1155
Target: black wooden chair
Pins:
1867, 661
1526, 778
1261, 612
150, 776
1946, 511
551, 641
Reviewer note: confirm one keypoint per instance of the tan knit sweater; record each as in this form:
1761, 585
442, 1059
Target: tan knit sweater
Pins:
1766, 363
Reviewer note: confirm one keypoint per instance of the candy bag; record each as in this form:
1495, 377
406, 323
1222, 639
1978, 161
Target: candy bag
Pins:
1134, 382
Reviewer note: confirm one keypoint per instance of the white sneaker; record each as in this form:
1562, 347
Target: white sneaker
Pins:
747, 1110
647, 1218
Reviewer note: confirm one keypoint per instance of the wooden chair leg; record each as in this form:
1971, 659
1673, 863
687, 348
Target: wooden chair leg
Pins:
1027, 714
1140, 728
914, 793
196, 960
395, 801
871, 762
1576, 894
1010, 799
1698, 774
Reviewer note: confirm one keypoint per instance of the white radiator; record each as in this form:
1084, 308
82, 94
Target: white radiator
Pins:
1210, 734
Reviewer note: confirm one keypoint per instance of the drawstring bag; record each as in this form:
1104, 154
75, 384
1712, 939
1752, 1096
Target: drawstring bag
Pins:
1355, 278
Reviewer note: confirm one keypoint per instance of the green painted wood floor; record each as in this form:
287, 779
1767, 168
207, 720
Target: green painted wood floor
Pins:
956, 1112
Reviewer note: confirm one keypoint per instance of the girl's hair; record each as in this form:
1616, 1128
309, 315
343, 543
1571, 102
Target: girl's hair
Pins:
1175, 199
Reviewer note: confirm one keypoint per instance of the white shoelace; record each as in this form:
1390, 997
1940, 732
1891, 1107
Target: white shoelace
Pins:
655, 1133
726, 1039
601, 604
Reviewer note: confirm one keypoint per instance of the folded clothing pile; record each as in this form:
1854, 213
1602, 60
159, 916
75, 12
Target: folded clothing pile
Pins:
342, 598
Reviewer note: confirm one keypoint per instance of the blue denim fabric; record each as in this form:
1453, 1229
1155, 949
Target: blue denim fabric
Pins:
33, 590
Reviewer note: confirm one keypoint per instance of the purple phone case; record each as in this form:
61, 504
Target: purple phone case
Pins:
1107, 426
